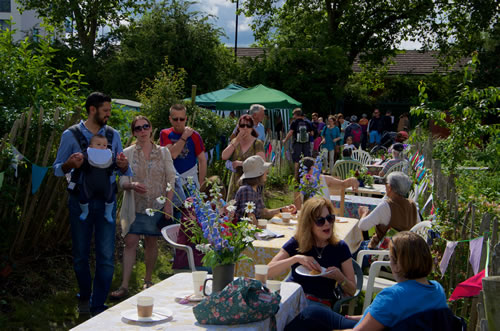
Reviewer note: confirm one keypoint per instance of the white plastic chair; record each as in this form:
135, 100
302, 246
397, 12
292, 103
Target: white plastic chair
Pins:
402, 166
342, 168
372, 283
362, 156
422, 229
170, 233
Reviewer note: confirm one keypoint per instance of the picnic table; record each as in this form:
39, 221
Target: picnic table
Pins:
292, 302
353, 202
345, 229
375, 189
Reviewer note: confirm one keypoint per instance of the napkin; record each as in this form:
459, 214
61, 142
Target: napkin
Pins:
268, 234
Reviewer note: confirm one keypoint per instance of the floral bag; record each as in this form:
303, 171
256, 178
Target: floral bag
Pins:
242, 301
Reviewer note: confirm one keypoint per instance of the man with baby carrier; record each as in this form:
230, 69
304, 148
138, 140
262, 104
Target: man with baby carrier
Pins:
92, 200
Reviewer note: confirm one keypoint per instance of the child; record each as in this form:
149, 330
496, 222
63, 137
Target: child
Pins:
348, 143
97, 166
347, 154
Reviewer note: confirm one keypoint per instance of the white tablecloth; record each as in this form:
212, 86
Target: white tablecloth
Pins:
292, 302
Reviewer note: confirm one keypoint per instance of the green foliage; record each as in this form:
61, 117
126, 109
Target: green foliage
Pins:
312, 76
168, 29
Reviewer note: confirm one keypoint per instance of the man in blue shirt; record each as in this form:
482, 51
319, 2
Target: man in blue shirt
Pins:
70, 157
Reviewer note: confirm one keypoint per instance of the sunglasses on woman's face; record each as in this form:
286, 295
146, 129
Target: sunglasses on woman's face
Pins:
321, 221
246, 125
142, 127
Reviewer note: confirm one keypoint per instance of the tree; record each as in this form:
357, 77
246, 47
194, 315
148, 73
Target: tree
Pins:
370, 28
85, 16
167, 30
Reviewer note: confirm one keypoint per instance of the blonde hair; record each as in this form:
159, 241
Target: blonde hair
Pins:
412, 254
311, 210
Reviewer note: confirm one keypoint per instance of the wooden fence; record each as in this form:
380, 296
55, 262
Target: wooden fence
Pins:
470, 224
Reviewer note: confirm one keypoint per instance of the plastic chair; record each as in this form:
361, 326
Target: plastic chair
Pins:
170, 233
359, 286
341, 168
362, 156
422, 229
372, 283
402, 166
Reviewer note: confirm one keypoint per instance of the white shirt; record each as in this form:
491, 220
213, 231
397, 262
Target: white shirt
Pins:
380, 215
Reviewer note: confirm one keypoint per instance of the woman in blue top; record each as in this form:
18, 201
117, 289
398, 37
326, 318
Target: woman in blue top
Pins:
315, 245
330, 136
411, 263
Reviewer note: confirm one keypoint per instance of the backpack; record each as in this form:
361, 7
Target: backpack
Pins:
356, 133
302, 133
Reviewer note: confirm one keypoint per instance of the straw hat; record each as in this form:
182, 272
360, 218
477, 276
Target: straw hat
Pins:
254, 167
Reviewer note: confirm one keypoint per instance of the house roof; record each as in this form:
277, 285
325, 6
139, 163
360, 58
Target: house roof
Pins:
411, 62
126, 102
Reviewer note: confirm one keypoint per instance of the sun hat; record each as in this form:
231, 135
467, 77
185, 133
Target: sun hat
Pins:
254, 167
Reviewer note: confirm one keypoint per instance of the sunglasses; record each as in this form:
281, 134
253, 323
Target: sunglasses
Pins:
177, 119
322, 220
246, 125
142, 127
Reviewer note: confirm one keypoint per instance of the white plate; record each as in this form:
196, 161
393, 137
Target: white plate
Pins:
277, 220
159, 314
190, 296
303, 271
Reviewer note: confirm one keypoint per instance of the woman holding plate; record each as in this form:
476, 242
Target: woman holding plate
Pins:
318, 259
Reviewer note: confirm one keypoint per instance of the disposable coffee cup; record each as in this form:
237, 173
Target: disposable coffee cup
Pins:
145, 306
261, 273
286, 217
198, 280
274, 285
262, 224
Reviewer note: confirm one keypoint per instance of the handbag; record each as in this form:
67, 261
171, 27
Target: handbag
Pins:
244, 300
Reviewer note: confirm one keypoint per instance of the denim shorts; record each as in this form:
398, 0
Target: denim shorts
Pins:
146, 225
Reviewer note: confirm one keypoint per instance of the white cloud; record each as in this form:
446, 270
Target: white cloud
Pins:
407, 44
212, 6
243, 24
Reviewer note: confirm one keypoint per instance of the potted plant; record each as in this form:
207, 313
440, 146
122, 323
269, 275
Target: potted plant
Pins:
363, 177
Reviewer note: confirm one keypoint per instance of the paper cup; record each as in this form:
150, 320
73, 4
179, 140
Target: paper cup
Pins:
262, 224
286, 217
274, 285
261, 272
145, 306
198, 280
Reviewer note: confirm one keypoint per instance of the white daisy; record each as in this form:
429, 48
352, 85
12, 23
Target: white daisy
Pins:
249, 207
245, 219
231, 208
161, 200
188, 204
248, 239
169, 187
150, 212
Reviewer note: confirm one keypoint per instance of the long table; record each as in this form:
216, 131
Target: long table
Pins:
353, 202
345, 229
164, 293
375, 189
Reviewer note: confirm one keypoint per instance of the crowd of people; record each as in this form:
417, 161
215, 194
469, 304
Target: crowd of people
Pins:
147, 170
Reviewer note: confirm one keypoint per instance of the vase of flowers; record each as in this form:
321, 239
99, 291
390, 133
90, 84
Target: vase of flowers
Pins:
310, 183
210, 225
363, 177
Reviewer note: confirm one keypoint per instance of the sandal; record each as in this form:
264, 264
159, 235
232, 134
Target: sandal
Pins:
147, 284
120, 293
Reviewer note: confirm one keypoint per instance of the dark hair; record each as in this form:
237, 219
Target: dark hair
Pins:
137, 118
177, 107
347, 152
307, 162
252, 181
246, 118
96, 99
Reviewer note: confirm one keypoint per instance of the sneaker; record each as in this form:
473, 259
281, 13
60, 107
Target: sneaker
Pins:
83, 306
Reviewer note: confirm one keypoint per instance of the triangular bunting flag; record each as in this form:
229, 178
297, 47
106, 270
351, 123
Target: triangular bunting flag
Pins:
475, 247
217, 152
450, 248
15, 160
468, 288
37, 174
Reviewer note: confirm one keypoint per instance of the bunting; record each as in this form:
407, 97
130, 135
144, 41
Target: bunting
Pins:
475, 248
469, 288
37, 175
450, 248
16, 159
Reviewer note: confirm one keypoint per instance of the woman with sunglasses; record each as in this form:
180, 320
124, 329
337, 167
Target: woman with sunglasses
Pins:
314, 246
414, 300
244, 145
154, 171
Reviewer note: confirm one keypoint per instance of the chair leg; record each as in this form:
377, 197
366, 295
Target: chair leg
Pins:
352, 305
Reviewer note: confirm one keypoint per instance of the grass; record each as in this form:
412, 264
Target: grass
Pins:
42, 295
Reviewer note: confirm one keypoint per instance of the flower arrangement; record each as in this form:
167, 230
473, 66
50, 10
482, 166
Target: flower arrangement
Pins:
364, 178
210, 226
310, 184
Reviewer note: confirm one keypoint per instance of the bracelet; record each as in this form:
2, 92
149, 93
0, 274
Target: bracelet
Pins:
183, 139
342, 284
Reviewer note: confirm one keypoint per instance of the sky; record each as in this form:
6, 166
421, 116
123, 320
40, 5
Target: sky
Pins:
225, 18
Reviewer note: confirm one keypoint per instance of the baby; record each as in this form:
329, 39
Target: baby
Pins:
97, 167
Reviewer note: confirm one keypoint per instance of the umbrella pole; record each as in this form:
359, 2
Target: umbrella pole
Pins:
193, 103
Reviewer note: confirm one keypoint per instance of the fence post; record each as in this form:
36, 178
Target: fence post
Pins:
491, 289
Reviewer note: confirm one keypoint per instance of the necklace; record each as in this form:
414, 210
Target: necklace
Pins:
320, 254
